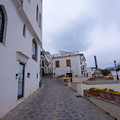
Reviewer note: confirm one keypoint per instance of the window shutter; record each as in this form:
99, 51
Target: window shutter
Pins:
68, 63
57, 63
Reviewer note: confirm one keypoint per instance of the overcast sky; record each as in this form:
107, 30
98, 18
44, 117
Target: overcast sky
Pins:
91, 27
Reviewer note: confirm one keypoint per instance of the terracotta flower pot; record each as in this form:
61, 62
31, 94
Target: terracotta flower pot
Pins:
95, 92
86, 93
92, 78
100, 76
110, 78
109, 96
117, 98
103, 94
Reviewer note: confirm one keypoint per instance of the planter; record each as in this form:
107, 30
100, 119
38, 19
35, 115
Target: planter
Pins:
92, 78
86, 93
100, 76
95, 93
110, 78
103, 94
110, 96
107, 95
117, 98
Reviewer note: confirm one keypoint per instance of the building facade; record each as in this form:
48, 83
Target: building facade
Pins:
20, 44
46, 63
49, 66
69, 63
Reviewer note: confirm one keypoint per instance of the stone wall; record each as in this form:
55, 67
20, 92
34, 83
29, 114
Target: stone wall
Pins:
109, 107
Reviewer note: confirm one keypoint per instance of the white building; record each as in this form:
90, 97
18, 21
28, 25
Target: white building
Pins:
49, 65
114, 73
46, 63
20, 44
69, 63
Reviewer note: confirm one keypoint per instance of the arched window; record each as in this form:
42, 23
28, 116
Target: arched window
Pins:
24, 30
2, 23
34, 50
37, 13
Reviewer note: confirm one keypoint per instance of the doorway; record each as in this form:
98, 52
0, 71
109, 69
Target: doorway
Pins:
21, 80
70, 74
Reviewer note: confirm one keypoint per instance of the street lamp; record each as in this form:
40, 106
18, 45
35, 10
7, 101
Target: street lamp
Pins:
70, 72
116, 70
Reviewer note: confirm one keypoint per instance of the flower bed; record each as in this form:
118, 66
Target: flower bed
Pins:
117, 96
103, 94
100, 76
109, 94
110, 78
63, 75
94, 91
92, 78
86, 92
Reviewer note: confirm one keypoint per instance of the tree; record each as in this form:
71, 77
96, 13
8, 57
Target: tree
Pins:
105, 72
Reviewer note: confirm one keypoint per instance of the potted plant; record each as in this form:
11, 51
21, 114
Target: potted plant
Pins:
92, 78
109, 94
95, 91
110, 77
87, 92
100, 76
117, 96
102, 93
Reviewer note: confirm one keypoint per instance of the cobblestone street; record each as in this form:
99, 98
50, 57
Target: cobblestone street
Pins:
55, 101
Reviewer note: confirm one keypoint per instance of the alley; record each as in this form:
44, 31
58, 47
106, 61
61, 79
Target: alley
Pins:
55, 101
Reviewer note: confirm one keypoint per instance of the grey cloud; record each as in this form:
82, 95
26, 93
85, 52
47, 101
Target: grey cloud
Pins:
74, 36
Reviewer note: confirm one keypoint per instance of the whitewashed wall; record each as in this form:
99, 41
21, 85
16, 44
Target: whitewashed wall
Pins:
113, 72
75, 66
9, 66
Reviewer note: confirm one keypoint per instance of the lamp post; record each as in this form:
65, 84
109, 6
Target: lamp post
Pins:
70, 72
116, 70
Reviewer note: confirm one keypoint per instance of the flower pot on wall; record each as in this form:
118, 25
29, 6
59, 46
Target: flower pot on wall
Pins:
86, 93
109, 96
117, 98
103, 94
95, 92
92, 78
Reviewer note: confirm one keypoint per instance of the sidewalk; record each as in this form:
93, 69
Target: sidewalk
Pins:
54, 101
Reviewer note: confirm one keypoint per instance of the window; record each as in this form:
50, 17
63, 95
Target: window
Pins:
29, 1
40, 21
28, 75
57, 63
37, 75
2, 23
37, 13
34, 50
68, 63
24, 30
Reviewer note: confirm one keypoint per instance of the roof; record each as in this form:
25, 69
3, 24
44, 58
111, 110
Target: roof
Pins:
63, 54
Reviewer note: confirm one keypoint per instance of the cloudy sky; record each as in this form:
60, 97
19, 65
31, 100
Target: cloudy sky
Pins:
91, 27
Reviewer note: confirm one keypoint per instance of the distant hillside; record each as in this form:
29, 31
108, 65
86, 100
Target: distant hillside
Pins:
110, 68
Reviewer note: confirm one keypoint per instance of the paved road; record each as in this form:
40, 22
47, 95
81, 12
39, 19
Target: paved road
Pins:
54, 101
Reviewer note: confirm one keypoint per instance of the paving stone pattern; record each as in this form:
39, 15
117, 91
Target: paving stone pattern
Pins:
55, 101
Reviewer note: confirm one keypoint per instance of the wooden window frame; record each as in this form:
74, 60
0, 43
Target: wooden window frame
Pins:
68, 61
57, 64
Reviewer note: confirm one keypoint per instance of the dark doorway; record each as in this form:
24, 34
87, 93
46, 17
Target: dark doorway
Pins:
21, 80
70, 74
